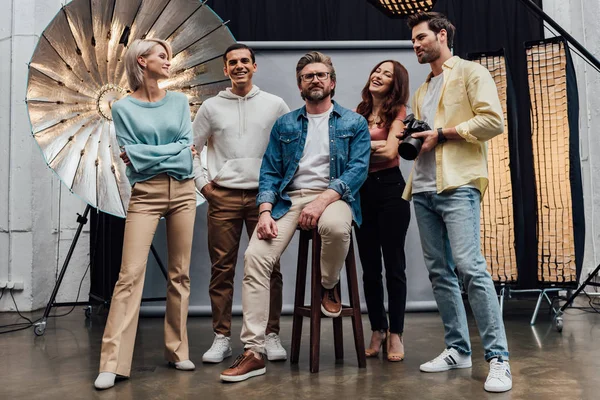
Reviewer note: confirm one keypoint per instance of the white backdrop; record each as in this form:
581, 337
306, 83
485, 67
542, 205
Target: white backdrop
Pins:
276, 74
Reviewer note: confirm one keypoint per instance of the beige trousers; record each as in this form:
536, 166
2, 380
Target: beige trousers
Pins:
151, 200
334, 226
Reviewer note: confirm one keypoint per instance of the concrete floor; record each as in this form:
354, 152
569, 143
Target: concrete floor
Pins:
63, 363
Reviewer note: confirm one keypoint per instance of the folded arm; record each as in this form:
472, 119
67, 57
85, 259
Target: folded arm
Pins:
143, 157
386, 150
179, 163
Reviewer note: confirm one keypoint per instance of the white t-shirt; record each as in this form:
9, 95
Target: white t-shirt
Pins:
313, 169
424, 174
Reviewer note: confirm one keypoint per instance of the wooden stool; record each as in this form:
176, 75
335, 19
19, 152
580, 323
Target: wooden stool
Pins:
313, 310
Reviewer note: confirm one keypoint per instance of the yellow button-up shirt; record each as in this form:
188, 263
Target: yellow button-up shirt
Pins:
469, 102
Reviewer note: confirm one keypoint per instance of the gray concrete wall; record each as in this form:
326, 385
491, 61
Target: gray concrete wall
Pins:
37, 214
581, 18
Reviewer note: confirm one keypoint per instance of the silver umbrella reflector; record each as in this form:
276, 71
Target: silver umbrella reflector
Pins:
77, 72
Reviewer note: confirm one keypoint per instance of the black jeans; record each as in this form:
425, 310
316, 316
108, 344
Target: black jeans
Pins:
385, 221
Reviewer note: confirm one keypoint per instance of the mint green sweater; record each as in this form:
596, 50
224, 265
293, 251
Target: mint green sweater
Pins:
156, 136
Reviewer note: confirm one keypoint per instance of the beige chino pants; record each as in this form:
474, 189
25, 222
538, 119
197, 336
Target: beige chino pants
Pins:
151, 200
334, 226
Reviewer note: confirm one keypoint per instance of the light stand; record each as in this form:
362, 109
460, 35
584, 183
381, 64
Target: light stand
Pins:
40, 327
590, 58
558, 320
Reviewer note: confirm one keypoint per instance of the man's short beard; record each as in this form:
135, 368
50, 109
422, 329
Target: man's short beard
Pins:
315, 94
434, 54
429, 57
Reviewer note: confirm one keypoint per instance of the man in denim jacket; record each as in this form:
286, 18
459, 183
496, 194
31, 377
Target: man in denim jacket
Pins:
315, 163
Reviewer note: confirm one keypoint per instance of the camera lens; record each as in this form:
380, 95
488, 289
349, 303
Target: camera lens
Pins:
410, 148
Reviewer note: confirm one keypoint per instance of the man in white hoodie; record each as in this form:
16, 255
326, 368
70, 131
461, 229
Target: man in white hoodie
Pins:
235, 127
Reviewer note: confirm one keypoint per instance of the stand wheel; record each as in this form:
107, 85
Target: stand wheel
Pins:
559, 324
40, 328
88, 311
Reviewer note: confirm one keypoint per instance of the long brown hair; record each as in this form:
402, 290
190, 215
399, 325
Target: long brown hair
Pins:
395, 99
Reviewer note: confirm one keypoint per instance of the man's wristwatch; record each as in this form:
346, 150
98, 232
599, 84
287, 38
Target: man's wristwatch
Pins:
441, 137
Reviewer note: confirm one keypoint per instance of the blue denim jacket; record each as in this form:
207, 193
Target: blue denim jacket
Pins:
349, 146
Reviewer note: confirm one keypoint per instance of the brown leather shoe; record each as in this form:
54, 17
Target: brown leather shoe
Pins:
244, 367
331, 305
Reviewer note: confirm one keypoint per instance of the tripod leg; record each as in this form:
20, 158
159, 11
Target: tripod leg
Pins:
40, 327
551, 309
537, 308
558, 320
159, 261
579, 290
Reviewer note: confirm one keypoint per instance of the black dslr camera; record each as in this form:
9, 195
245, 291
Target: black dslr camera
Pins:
410, 147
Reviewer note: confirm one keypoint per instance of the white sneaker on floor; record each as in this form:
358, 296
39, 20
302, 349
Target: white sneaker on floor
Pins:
273, 348
186, 365
449, 359
499, 379
220, 349
105, 380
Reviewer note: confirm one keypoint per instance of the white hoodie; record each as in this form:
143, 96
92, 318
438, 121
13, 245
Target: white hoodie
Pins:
236, 131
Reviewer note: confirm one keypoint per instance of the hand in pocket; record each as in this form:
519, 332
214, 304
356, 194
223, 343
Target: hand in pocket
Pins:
208, 190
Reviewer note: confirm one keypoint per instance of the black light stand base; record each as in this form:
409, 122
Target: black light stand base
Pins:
39, 328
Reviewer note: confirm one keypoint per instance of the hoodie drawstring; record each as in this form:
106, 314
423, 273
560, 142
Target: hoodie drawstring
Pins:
245, 114
242, 115
240, 111
242, 106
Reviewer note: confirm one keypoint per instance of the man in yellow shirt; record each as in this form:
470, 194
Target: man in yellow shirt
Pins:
460, 102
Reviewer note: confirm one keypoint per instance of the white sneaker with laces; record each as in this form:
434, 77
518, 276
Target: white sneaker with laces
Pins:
499, 379
220, 349
449, 359
273, 348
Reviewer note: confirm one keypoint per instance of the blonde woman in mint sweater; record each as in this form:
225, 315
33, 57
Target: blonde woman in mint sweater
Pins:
153, 128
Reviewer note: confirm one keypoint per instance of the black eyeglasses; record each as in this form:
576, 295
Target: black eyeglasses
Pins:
309, 77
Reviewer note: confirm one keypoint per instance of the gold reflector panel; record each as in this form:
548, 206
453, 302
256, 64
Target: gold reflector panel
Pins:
547, 73
497, 213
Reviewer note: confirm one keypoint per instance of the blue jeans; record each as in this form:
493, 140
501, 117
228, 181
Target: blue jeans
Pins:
450, 236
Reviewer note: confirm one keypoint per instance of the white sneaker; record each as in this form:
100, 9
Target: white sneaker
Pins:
220, 349
186, 365
449, 359
105, 380
273, 348
499, 379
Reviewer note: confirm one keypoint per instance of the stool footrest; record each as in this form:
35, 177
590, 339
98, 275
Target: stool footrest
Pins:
305, 311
